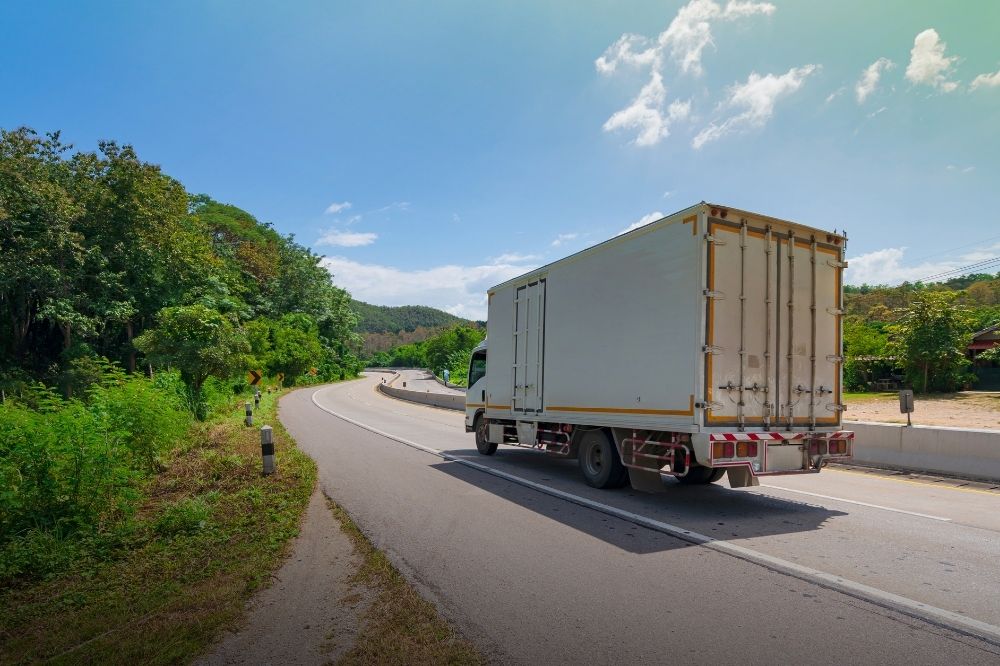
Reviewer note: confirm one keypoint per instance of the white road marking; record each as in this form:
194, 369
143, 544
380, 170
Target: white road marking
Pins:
847, 501
888, 600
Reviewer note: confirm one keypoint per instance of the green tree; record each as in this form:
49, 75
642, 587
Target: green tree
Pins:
929, 340
200, 343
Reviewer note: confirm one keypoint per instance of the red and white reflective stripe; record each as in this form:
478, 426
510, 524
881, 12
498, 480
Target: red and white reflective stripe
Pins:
777, 436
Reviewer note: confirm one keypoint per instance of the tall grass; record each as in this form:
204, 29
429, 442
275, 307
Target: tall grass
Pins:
73, 469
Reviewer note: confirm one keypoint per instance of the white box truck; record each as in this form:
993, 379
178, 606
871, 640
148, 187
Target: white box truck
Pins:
706, 342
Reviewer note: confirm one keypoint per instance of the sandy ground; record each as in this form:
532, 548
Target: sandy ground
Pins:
311, 614
958, 410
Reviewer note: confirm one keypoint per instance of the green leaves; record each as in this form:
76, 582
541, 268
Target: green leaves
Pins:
929, 340
199, 342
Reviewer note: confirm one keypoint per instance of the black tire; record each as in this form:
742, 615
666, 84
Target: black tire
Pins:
599, 461
483, 445
699, 475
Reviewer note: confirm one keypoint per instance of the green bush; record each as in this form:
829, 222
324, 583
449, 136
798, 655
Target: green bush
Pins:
69, 467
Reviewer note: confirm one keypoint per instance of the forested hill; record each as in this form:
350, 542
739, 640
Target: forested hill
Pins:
394, 319
103, 257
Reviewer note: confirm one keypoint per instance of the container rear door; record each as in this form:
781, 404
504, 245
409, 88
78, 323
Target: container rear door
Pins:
529, 346
772, 328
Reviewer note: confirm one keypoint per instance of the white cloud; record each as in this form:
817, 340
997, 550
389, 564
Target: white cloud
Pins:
562, 238
835, 94
968, 169
756, 98
691, 30
623, 52
460, 290
687, 36
335, 207
668, 194
928, 63
887, 266
986, 81
868, 82
395, 205
645, 114
876, 112
515, 258
346, 238
642, 221
456, 218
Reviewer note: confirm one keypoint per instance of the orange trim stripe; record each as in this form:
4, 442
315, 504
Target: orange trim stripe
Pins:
627, 410
694, 224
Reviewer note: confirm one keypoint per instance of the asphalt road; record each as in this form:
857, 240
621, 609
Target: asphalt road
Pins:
827, 568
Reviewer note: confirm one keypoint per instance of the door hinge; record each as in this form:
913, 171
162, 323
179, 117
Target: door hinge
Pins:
832, 358
712, 349
709, 238
717, 295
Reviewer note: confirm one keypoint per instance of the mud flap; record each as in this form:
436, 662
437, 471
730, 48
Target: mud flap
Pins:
740, 477
646, 480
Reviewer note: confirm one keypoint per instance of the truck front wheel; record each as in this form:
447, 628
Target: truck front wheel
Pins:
599, 461
483, 445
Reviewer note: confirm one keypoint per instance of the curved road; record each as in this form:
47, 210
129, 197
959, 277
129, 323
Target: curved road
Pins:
536, 567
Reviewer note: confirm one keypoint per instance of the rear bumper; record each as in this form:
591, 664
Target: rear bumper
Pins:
774, 453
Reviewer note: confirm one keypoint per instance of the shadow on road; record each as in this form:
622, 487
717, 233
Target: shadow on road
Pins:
713, 510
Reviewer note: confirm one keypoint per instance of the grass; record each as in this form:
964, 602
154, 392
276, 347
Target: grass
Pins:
400, 627
856, 397
208, 534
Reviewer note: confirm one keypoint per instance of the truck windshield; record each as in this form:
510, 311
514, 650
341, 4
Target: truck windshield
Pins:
477, 367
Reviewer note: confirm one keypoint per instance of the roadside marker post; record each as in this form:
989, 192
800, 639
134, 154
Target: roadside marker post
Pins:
906, 404
249, 411
256, 398
267, 449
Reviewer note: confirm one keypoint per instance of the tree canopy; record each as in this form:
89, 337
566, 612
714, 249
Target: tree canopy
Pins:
99, 249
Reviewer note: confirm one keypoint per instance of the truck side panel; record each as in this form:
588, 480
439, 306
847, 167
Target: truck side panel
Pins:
622, 331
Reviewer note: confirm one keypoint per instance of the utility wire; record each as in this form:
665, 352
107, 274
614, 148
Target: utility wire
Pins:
960, 247
956, 272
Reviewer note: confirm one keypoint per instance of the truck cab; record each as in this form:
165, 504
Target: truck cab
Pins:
475, 396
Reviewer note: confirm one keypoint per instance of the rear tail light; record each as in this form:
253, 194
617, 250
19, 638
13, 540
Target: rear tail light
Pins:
817, 447
746, 450
838, 447
723, 450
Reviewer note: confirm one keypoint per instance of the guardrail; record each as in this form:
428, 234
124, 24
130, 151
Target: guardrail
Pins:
444, 400
966, 452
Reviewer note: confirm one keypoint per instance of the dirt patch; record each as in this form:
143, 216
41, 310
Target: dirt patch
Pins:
313, 611
956, 410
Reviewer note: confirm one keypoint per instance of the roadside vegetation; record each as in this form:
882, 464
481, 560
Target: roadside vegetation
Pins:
919, 333
449, 350
133, 519
120, 547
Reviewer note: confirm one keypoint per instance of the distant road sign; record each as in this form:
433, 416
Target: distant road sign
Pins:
281, 377
313, 371
253, 377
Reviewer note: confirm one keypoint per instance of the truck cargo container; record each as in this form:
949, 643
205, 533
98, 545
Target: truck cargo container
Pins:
704, 342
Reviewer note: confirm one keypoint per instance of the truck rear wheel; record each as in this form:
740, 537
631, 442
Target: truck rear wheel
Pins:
483, 445
701, 475
599, 461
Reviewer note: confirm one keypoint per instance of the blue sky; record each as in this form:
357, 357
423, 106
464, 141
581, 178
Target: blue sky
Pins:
476, 141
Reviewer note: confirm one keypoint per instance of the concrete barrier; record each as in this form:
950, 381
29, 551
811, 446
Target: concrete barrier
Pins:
448, 384
445, 400
964, 452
